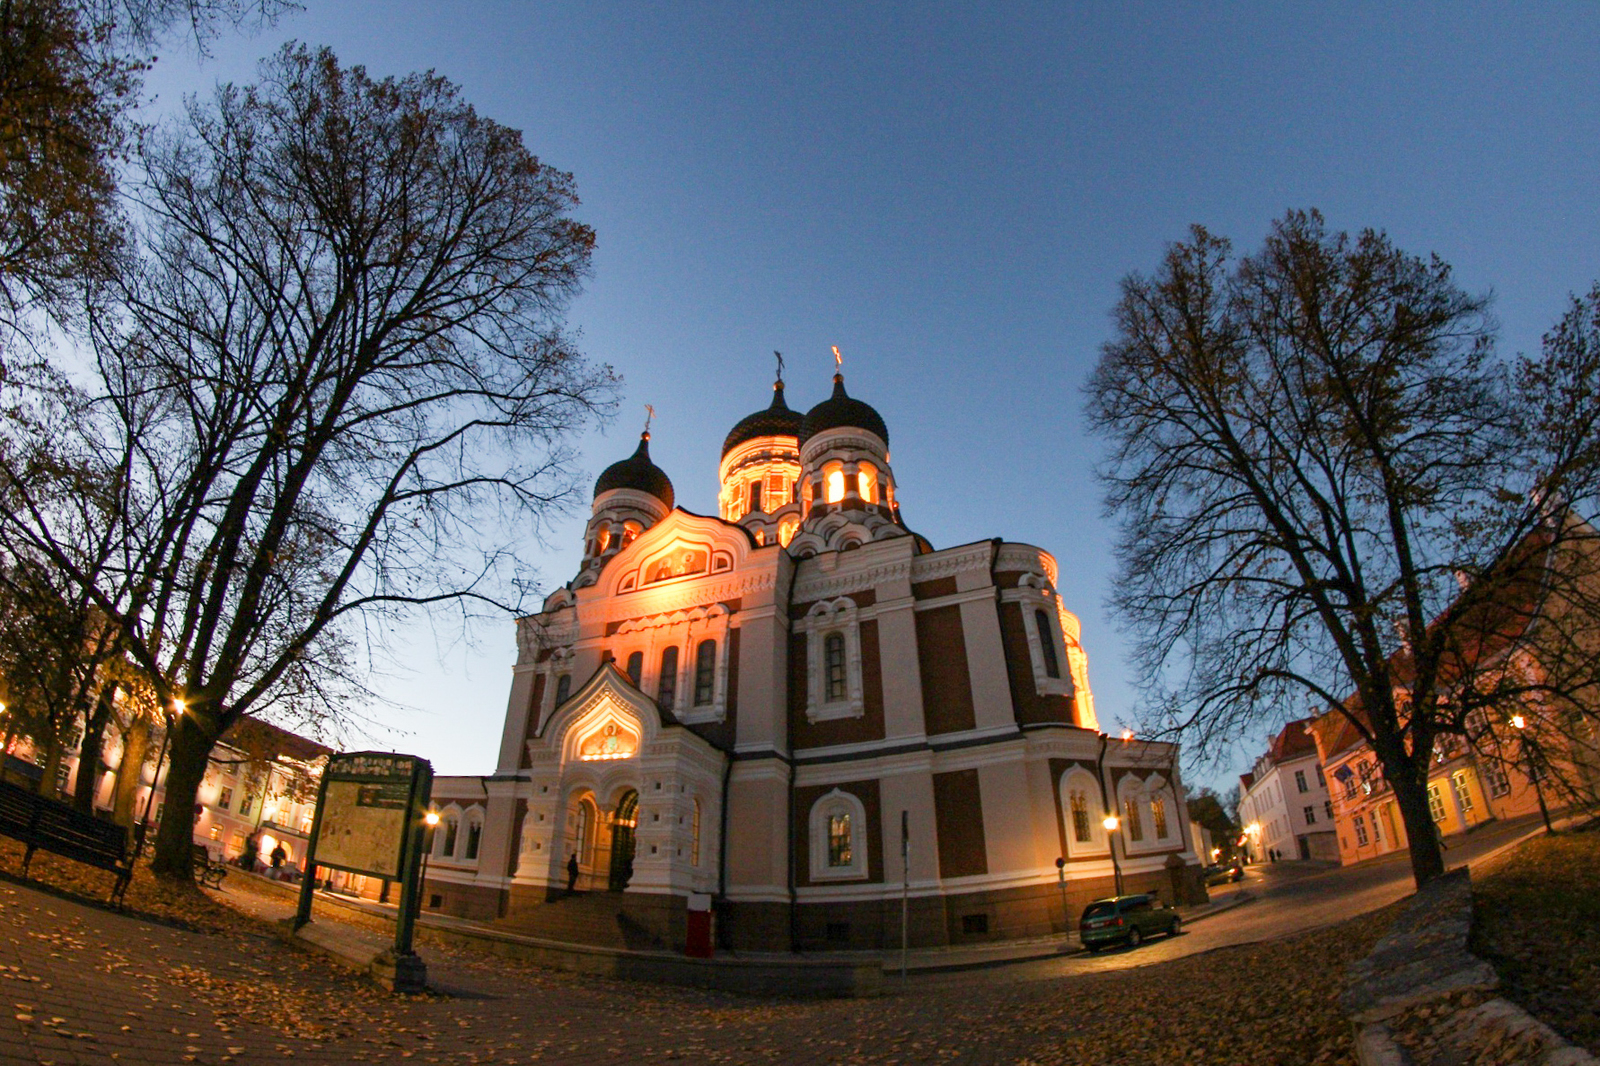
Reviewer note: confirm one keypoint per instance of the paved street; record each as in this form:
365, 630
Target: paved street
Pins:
87, 985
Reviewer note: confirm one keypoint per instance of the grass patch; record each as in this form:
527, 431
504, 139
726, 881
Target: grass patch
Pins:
1537, 919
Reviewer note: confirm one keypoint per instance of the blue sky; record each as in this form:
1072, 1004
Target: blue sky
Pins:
950, 193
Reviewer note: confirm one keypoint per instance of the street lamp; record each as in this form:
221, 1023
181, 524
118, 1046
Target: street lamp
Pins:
1111, 823
1253, 831
1521, 723
431, 820
144, 823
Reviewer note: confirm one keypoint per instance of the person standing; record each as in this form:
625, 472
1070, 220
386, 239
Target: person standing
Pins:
278, 858
572, 874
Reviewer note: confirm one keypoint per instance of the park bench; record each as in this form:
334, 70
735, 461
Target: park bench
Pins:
208, 871
40, 822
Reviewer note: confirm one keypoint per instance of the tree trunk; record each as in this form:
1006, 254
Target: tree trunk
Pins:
1411, 795
135, 750
52, 761
187, 755
90, 752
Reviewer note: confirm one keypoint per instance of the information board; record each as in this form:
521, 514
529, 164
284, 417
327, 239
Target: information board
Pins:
366, 811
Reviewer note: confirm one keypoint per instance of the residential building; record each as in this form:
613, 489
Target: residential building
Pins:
1284, 803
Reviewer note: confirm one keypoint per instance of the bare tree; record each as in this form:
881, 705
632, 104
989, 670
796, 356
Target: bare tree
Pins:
336, 388
1331, 494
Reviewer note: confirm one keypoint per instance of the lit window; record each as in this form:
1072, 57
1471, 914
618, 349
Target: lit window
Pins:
867, 479
1134, 827
1047, 644
225, 798
839, 840
603, 539
786, 530
705, 661
1158, 816
1080, 818
1458, 782
630, 530
833, 653
832, 483
1436, 803
667, 687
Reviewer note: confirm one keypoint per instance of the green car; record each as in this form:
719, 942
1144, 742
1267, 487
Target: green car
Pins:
1125, 920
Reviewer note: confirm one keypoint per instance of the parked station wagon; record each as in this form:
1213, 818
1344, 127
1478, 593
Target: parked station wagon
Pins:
1125, 920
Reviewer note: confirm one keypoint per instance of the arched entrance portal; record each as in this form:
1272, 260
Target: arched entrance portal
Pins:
623, 824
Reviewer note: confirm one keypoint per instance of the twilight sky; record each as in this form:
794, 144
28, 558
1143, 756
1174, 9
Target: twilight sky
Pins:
951, 196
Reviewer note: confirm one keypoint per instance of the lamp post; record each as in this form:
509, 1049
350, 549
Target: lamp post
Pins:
144, 822
1111, 823
431, 820
1532, 771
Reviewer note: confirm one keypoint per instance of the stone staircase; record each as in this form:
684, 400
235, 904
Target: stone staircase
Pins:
597, 918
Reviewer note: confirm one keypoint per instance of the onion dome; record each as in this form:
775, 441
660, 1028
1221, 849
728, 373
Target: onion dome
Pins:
777, 420
639, 473
840, 410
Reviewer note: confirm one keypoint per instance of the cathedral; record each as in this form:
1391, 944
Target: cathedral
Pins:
795, 713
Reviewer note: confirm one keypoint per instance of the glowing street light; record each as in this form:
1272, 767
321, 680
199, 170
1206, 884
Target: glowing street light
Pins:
1532, 771
431, 820
179, 708
1112, 822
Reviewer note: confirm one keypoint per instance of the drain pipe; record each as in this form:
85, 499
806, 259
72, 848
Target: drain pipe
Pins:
788, 733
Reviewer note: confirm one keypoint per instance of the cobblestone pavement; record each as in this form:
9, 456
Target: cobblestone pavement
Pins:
88, 985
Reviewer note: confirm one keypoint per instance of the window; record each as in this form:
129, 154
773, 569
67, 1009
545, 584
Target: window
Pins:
1322, 782
474, 836
225, 798
451, 827
867, 479
833, 661
635, 667
1300, 781
563, 688
1435, 803
1132, 824
247, 804
1047, 644
754, 496
1158, 816
667, 685
838, 840
1327, 809
585, 831
1080, 818
1499, 783
705, 664
1311, 815
1361, 831
1458, 783
694, 835
630, 530
832, 483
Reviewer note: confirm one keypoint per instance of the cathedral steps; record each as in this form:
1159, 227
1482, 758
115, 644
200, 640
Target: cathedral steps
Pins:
604, 919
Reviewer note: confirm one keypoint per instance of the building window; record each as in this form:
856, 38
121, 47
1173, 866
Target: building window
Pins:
839, 841
705, 672
1361, 831
1311, 815
636, 667
755, 496
1327, 809
474, 837
1134, 826
1458, 782
563, 688
225, 798
1322, 782
1080, 818
247, 804
833, 483
867, 480
667, 685
1436, 803
833, 656
1300, 781
1047, 644
451, 827
836, 853
1158, 816
1499, 783
694, 835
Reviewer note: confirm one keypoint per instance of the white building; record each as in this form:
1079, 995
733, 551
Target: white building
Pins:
1284, 804
746, 708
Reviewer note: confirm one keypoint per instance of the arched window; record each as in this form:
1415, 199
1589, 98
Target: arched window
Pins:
635, 667
786, 530
705, 663
630, 530
603, 539
833, 663
838, 842
833, 482
1158, 816
753, 496
563, 688
667, 685
1131, 820
1081, 832
1047, 643
474, 837
694, 837
451, 827
867, 479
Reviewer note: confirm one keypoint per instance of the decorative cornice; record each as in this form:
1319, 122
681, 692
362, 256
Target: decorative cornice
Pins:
1017, 556
833, 584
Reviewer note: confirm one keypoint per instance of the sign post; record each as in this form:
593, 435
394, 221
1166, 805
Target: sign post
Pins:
369, 820
1061, 880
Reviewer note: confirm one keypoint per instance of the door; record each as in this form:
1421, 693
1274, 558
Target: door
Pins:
623, 826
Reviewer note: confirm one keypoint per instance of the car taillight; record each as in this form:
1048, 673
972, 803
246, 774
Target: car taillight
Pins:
1117, 922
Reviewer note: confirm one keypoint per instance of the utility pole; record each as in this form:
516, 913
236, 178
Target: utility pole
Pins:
905, 880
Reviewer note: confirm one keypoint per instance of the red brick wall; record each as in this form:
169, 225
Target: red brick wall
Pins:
942, 660
958, 812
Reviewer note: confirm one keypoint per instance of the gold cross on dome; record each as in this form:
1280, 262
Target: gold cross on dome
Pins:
649, 416
838, 360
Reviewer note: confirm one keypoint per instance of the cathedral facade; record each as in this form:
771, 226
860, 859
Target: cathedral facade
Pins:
796, 713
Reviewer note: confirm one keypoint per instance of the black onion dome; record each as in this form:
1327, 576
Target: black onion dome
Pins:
777, 420
840, 410
637, 472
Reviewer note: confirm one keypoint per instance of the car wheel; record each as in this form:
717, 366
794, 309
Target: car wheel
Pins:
1135, 938
1176, 927
1093, 949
